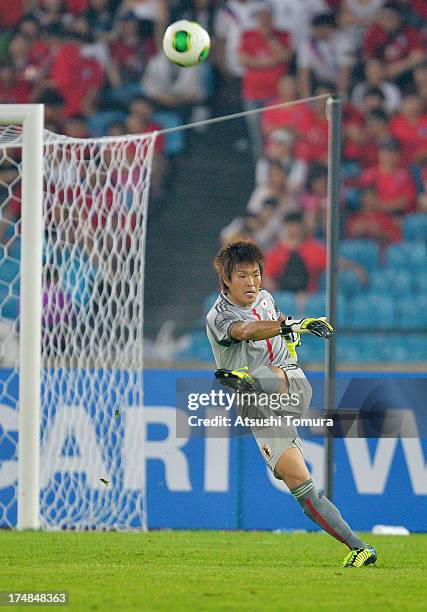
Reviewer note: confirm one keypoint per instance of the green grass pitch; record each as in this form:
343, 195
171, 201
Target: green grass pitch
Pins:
206, 570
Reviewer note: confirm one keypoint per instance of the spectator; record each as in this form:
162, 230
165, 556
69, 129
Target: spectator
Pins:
314, 201
295, 16
363, 139
373, 99
420, 78
76, 78
296, 262
76, 127
410, 129
13, 90
265, 54
374, 78
53, 109
296, 117
276, 186
262, 227
324, 56
171, 87
51, 12
280, 148
373, 223
140, 122
152, 15
19, 60
313, 144
90, 48
130, 54
356, 15
391, 181
12, 12
398, 46
230, 22
100, 19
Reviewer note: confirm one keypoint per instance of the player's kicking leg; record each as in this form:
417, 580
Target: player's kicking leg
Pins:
290, 466
292, 470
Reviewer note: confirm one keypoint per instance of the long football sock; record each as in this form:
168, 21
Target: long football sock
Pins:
323, 512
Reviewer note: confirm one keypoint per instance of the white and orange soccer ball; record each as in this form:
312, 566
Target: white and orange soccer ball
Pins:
186, 43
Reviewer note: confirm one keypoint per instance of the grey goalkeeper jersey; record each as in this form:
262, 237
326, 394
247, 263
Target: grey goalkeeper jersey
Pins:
232, 354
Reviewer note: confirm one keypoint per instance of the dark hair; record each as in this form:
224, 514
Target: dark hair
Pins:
237, 251
374, 91
294, 217
324, 19
379, 114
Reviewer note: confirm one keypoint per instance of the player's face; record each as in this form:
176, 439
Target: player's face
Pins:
245, 283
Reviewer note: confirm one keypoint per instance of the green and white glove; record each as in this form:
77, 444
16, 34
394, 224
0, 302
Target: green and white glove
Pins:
318, 326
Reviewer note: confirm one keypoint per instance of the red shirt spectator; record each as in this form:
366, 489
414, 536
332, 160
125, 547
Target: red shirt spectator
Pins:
373, 224
264, 54
392, 182
76, 7
13, 89
296, 118
261, 83
77, 79
11, 13
399, 46
313, 146
410, 129
296, 262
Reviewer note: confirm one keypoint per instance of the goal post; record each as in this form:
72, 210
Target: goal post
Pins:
72, 257
30, 116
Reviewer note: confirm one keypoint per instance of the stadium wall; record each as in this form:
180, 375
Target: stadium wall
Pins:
210, 483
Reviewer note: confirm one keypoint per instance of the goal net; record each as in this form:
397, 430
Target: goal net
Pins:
95, 195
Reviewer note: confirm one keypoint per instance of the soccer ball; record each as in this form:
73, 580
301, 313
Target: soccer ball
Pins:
186, 43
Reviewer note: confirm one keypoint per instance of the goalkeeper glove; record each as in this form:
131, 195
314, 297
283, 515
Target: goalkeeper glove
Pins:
317, 326
293, 340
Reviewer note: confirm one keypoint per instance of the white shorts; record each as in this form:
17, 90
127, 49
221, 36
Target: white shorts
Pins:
276, 438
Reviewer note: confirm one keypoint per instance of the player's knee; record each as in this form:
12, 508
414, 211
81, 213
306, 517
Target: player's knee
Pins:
291, 468
282, 382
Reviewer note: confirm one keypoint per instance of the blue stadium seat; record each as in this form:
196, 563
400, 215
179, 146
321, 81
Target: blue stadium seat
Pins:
365, 252
286, 302
209, 302
412, 312
420, 282
392, 281
198, 348
315, 306
415, 227
412, 256
372, 311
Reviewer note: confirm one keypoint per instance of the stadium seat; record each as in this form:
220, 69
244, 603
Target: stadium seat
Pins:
392, 281
407, 255
286, 302
197, 349
209, 302
364, 252
415, 227
411, 312
372, 311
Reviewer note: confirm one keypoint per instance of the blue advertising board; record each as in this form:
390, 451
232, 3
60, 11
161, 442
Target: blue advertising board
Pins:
198, 481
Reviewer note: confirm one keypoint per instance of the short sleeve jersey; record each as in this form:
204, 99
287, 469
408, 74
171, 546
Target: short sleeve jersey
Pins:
232, 354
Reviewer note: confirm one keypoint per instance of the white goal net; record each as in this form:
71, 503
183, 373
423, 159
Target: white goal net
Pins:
95, 203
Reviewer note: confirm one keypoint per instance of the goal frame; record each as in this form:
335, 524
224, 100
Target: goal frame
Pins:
31, 118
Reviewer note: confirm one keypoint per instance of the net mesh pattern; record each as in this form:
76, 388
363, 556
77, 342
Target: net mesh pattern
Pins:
95, 204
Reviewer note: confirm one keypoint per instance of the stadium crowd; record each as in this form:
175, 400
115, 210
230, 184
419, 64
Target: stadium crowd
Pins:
98, 67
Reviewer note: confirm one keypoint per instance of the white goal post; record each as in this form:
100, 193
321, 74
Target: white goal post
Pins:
72, 259
31, 118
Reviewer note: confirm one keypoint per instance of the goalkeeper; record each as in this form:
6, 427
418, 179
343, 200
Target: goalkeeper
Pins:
254, 347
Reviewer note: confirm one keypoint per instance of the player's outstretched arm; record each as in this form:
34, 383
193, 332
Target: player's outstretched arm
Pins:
261, 330
255, 330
